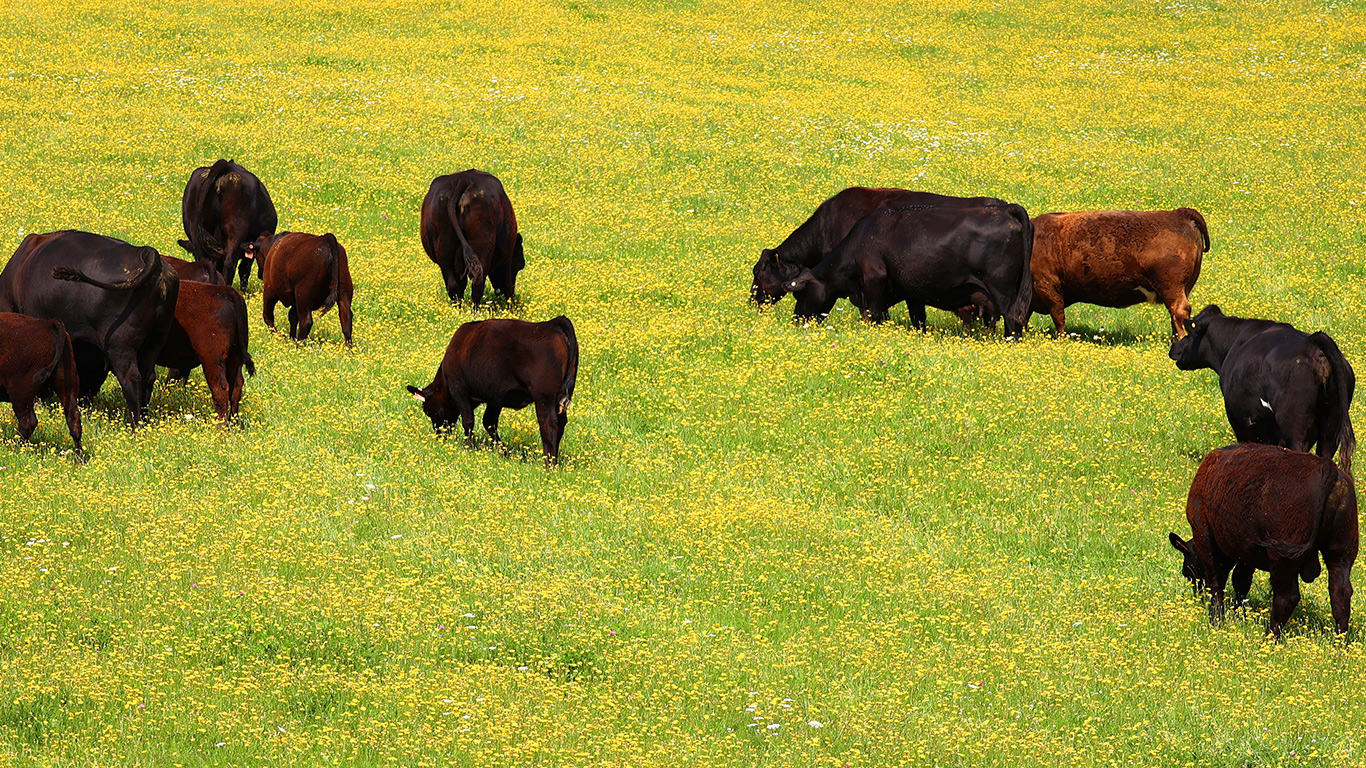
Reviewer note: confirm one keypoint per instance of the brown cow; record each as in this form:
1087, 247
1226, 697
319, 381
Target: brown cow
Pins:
1117, 259
506, 364
1272, 509
210, 329
307, 273
36, 357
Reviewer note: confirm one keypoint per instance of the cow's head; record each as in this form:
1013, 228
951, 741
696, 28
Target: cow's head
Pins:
436, 404
814, 297
1190, 564
257, 249
1193, 352
769, 275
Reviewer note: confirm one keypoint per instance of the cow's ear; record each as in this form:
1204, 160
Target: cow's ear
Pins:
1180, 545
800, 281
421, 397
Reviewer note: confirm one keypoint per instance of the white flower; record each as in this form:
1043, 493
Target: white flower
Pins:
816, 724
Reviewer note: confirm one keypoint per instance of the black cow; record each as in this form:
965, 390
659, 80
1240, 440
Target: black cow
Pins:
1281, 386
1272, 509
225, 209
116, 300
506, 364
942, 257
470, 232
831, 222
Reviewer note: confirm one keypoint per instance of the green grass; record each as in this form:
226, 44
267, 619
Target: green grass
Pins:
943, 548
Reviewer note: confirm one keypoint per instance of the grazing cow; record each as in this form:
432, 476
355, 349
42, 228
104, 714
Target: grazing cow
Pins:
1281, 386
942, 257
307, 273
831, 222
506, 364
35, 358
470, 232
225, 209
210, 329
1271, 509
116, 300
198, 271
1117, 259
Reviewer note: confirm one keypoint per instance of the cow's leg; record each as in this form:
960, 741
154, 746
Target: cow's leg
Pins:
454, 278
234, 389
1285, 595
244, 272
305, 323
268, 300
129, 375
1242, 583
1340, 593
917, 312
549, 422
1179, 307
491, 413
466, 409
477, 291
294, 322
24, 417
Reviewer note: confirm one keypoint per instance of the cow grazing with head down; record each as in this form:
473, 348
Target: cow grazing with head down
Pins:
307, 273
210, 329
1272, 509
116, 300
949, 258
470, 231
827, 226
505, 364
1117, 259
197, 271
225, 209
36, 358
1281, 386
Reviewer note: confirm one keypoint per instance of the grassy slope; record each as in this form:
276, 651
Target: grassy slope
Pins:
943, 548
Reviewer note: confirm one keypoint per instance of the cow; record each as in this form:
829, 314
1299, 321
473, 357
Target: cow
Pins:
210, 329
941, 257
198, 271
307, 273
1117, 259
505, 364
1269, 508
36, 358
827, 226
225, 209
470, 232
1281, 386
116, 300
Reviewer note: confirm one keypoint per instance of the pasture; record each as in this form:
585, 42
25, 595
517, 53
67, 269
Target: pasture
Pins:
835, 545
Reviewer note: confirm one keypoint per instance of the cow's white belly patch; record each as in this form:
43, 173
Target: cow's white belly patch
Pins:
1149, 295
1267, 405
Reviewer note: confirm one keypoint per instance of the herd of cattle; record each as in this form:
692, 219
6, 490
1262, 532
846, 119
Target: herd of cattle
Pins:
76, 306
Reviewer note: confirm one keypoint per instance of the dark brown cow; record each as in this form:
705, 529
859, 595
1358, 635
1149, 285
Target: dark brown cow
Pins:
1272, 509
505, 364
211, 330
36, 357
197, 271
470, 232
118, 306
225, 209
1117, 259
307, 273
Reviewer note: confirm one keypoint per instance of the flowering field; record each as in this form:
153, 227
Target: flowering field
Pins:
767, 545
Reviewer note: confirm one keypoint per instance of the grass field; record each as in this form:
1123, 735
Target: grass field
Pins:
767, 545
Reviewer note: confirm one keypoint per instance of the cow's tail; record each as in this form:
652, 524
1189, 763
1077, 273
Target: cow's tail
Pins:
1199, 222
565, 327
201, 237
151, 267
334, 271
59, 346
473, 269
1024, 297
1334, 409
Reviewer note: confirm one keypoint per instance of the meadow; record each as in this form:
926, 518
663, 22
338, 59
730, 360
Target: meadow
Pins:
767, 544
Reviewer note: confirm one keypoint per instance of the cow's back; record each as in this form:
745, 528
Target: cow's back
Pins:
489, 357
